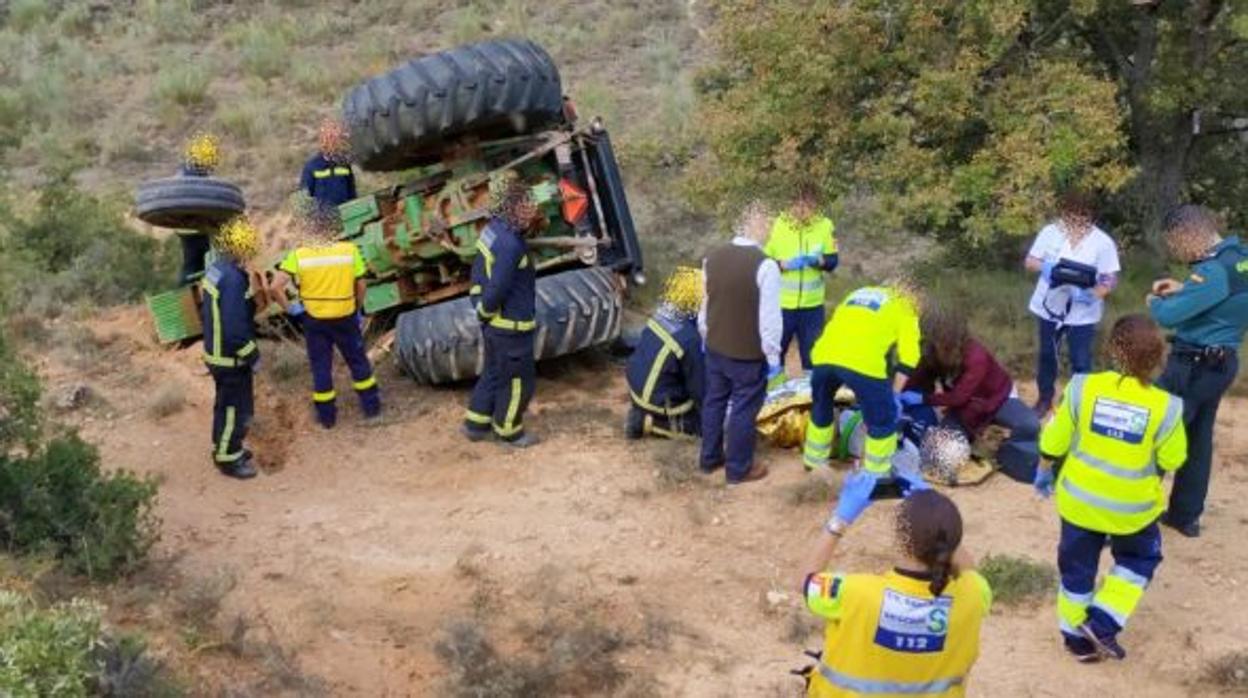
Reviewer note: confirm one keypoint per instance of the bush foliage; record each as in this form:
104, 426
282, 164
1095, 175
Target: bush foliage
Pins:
72, 247
58, 500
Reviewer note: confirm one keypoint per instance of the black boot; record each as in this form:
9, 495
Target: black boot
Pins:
241, 469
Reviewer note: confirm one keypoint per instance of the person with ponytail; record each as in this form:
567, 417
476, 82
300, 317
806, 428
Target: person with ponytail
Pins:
913, 630
1115, 434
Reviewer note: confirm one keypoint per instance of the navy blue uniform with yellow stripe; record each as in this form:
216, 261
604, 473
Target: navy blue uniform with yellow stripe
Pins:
504, 292
230, 352
666, 378
329, 183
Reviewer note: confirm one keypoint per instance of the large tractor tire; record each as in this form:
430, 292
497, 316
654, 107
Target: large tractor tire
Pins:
575, 310
188, 203
491, 89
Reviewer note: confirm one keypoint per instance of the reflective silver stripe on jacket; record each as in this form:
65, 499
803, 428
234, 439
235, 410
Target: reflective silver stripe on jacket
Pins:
1110, 469
1097, 501
869, 686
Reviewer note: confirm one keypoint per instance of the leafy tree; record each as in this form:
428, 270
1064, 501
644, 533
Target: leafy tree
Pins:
965, 118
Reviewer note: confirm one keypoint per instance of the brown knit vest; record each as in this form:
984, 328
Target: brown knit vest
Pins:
732, 302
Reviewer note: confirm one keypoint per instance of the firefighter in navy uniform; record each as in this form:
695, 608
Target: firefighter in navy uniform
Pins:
1208, 315
327, 176
227, 311
504, 293
666, 371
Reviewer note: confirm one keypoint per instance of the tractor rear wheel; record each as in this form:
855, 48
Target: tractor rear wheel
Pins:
188, 203
492, 89
575, 310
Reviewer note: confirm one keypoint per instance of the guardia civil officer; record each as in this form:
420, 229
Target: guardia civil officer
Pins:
327, 177
665, 373
328, 275
913, 630
803, 241
227, 311
504, 293
1208, 314
1115, 433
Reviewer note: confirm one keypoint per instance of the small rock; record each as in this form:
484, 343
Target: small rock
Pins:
602, 490
656, 544
777, 598
73, 397
716, 521
400, 586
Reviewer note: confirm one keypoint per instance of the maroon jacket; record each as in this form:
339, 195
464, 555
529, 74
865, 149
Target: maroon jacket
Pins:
975, 395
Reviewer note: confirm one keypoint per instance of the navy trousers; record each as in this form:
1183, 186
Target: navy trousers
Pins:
1201, 385
507, 383
1079, 340
195, 247
806, 324
874, 396
1136, 557
232, 410
322, 336
744, 384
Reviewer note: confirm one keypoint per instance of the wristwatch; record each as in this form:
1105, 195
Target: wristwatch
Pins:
836, 527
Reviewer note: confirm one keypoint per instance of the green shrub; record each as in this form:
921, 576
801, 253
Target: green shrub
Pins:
1017, 579
65, 651
72, 247
25, 15
263, 47
58, 500
183, 84
19, 402
47, 652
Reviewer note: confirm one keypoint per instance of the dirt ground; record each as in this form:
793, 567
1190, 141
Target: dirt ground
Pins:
362, 546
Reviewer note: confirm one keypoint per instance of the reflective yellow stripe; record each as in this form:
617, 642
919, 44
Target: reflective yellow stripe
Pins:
514, 325
818, 446
656, 368
1120, 593
1072, 609
509, 426
321, 174
877, 454
342, 170
476, 417
524, 262
249, 347
226, 434
668, 340
222, 361
326, 396
216, 319
475, 290
365, 384
675, 411
488, 256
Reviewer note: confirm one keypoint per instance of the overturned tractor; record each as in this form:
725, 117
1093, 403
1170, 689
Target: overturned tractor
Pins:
450, 122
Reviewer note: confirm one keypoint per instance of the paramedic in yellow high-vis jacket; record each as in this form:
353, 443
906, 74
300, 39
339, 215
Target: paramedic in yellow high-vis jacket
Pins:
911, 631
1116, 433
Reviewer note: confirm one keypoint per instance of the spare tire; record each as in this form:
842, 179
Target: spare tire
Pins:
575, 310
491, 89
183, 202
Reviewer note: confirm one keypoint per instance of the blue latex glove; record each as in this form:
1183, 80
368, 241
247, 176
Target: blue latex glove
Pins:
1084, 296
295, 309
813, 261
795, 263
855, 496
913, 479
911, 398
1046, 271
1044, 482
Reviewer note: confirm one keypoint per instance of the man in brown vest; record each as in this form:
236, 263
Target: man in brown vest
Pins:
741, 323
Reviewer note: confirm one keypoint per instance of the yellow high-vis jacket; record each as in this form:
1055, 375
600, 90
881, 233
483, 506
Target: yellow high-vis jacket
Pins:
801, 288
874, 331
887, 635
326, 278
1117, 437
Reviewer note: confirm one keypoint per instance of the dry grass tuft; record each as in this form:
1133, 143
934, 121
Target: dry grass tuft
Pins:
1015, 580
169, 400
1229, 672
